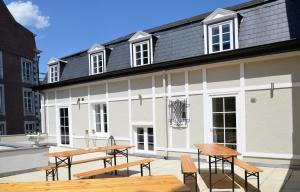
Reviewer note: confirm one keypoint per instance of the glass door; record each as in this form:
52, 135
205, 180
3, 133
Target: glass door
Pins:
64, 126
144, 139
224, 123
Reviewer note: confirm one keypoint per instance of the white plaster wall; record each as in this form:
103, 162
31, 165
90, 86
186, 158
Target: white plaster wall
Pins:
177, 82
51, 120
269, 121
98, 91
80, 120
196, 120
223, 77
119, 119
141, 110
62, 96
80, 92
195, 80
277, 71
118, 89
141, 86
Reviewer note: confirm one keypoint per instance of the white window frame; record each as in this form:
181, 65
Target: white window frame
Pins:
24, 70
140, 44
4, 131
27, 123
141, 37
26, 111
183, 124
51, 74
219, 25
2, 100
97, 54
146, 150
102, 133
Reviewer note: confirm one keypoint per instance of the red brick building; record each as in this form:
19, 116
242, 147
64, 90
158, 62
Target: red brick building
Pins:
19, 105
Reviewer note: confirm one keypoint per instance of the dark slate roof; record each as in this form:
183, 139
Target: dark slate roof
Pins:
263, 22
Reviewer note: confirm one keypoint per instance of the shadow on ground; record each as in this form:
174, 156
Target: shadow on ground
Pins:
224, 181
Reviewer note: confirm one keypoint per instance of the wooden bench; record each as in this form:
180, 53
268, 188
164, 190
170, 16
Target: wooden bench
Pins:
144, 163
250, 170
188, 169
51, 168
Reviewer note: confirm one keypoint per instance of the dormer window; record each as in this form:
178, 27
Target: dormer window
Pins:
97, 59
53, 73
220, 37
220, 31
141, 49
54, 69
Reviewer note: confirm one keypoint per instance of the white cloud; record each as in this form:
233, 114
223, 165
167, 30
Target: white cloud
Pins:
28, 14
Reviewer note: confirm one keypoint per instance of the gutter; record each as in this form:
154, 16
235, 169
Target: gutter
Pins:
242, 53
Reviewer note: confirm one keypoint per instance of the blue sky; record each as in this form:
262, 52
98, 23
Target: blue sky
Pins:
67, 26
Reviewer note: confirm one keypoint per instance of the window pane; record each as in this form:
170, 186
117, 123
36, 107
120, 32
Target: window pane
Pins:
138, 62
215, 30
225, 28
145, 47
150, 139
229, 103
226, 45
217, 104
140, 138
218, 135
230, 136
226, 37
98, 128
231, 146
150, 147
145, 61
230, 120
215, 39
141, 146
216, 47
218, 120
138, 48
150, 131
140, 130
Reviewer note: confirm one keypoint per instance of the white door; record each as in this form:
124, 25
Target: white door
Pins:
223, 120
144, 139
64, 125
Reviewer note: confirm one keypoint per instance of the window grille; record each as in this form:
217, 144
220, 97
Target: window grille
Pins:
178, 112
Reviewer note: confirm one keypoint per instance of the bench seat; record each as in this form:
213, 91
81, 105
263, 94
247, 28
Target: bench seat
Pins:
93, 173
188, 169
250, 170
50, 169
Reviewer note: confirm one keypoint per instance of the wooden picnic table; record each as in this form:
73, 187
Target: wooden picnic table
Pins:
166, 183
66, 156
219, 152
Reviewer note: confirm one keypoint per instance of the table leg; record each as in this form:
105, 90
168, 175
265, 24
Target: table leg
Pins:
232, 172
209, 165
115, 161
56, 168
199, 161
215, 164
69, 167
127, 161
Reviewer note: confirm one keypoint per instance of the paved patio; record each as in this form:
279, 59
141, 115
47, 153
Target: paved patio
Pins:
272, 179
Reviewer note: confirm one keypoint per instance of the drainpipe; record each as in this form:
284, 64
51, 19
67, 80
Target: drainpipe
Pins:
167, 125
